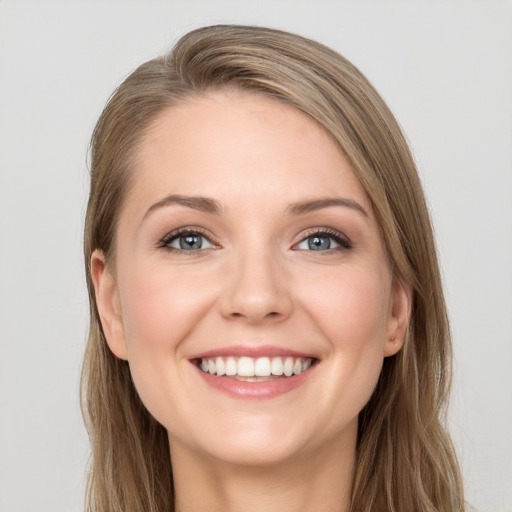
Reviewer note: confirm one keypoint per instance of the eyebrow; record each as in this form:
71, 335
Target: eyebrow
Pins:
208, 205
303, 207
203, 204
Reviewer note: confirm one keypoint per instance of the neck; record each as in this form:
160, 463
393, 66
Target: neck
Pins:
307, 483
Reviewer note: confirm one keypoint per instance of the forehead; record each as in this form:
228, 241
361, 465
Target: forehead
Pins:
236, 145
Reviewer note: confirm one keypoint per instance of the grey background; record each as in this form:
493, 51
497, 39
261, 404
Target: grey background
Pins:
445, 68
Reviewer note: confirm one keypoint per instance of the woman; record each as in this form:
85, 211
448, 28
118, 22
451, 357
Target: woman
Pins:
268, 329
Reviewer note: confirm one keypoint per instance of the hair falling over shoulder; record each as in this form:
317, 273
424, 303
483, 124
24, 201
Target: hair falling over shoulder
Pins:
405, 460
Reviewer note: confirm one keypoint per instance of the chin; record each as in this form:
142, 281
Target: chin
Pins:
263, 441
256, 452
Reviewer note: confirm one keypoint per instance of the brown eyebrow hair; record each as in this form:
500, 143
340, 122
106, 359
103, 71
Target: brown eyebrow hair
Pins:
208, 205
204, 204
303, 207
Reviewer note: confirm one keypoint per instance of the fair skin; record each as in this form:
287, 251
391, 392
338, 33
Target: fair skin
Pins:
278, 256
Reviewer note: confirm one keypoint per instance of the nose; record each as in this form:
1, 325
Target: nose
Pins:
257, 289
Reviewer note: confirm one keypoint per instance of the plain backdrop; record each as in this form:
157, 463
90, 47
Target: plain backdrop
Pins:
444, 67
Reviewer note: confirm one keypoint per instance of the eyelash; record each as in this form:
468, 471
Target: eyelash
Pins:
344, 244
173, 235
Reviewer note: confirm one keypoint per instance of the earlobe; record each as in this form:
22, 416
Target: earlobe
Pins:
107, 301
398, 317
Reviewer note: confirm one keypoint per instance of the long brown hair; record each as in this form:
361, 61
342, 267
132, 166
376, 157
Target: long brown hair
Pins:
404, 460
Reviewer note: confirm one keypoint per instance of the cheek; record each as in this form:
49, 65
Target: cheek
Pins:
350, 310
160, 308
352, 307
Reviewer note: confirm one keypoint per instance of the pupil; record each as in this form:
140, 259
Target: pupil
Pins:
317, 243
190, 242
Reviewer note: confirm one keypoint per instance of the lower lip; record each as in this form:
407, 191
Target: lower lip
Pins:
256, 390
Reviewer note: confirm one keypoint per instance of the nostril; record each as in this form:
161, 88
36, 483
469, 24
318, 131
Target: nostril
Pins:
255, 305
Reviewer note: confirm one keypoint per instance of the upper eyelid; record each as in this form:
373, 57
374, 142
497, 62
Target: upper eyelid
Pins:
324, 231
340, 238
171, 235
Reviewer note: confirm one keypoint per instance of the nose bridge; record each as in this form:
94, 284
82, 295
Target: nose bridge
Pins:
257, 287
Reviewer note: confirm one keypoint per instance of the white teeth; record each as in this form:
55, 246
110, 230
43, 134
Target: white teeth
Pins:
262, 367
221, 367
248, 367
277, 366
306, 363
288, 366
231, 366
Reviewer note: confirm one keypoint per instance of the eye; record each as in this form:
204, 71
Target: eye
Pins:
186, 240
324, 241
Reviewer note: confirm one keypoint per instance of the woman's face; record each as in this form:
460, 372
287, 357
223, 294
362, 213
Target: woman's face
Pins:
247, 246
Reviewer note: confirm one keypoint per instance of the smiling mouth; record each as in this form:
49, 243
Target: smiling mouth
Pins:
251, 369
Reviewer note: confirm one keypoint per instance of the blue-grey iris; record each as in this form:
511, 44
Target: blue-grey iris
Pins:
319, 243
191, 242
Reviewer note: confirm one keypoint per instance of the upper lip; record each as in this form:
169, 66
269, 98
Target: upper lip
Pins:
252, 351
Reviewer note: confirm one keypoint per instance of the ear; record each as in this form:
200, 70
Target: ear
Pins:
107, 301
398, 317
